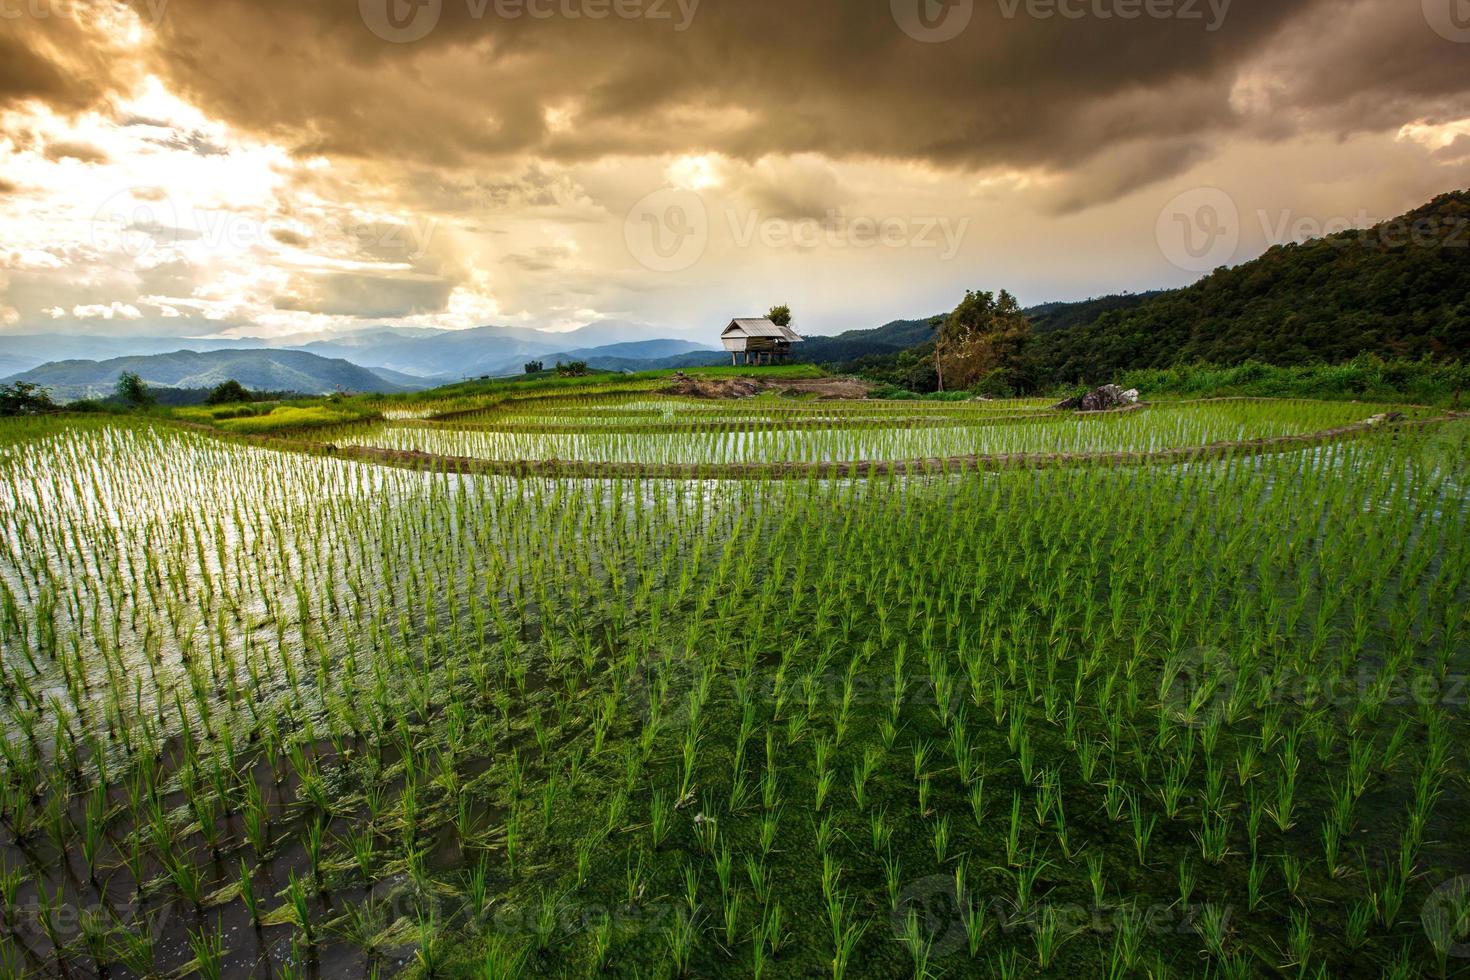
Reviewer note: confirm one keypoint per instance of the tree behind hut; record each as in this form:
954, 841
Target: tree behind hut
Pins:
984, 335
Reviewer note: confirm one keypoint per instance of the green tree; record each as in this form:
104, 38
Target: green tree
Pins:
985, 334
229, 392
133, 392
780, 315
24, 398
534, 367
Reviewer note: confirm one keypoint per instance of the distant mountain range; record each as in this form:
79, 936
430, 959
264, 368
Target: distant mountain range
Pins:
354, 364
495, 351
258, 370
424, 352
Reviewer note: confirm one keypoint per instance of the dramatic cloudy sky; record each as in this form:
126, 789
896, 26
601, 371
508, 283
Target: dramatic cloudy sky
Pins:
275, 167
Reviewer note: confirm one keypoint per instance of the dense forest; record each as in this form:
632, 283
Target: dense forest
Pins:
1398, 290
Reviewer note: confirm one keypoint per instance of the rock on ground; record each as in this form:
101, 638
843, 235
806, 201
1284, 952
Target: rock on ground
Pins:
1100, 400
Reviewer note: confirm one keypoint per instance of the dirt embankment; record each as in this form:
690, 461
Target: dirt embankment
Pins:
586, 469
823, 389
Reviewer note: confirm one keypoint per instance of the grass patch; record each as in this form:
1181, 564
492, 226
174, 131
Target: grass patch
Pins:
1364, 379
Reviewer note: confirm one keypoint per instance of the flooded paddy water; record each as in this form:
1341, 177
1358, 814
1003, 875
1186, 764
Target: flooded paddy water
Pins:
277, 714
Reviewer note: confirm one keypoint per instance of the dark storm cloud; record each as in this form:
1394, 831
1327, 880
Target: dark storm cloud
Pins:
746, 78
827, 77
59, 60
1056, 85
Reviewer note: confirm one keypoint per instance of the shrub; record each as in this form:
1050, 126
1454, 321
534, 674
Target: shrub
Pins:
228, 393
24, 398
132, 390
285, 417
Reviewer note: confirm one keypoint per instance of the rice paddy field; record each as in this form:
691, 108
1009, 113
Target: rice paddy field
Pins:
668, 431
280, 713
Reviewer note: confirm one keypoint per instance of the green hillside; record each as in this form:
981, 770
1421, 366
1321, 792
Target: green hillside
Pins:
1398, 290
891, 337
1047, 317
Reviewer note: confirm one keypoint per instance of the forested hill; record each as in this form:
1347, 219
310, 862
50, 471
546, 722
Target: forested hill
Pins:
890, 338
1400, 289
1063, 316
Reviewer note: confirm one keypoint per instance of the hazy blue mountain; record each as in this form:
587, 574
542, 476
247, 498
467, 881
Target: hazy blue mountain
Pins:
21, 352
10, 364
491, 354
453, 353
259, 370
605, 333
637, 350
420, 352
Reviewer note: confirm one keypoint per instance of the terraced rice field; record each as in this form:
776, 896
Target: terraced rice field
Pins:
661, 432
278, 713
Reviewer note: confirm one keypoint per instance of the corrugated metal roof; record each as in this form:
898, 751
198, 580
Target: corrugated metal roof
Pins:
761, 327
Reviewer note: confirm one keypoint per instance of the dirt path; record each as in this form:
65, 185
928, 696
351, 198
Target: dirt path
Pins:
694, 386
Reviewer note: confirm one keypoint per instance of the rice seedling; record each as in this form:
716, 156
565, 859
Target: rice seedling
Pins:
918, 943
230, 668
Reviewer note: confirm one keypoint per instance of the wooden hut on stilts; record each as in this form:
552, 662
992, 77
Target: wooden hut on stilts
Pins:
760, 340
